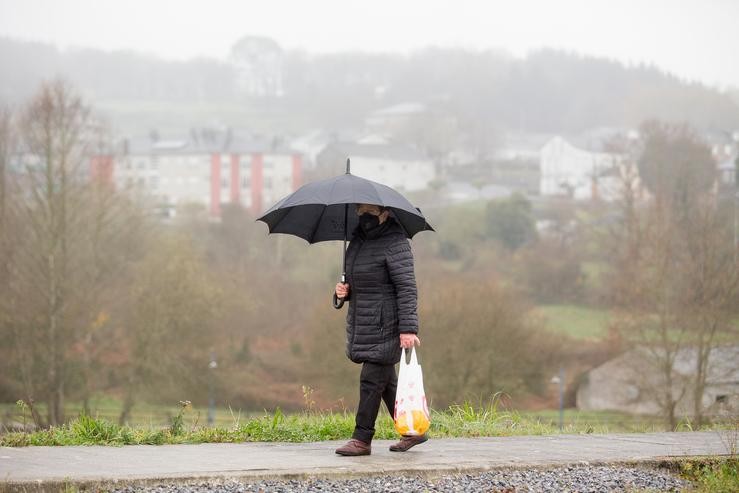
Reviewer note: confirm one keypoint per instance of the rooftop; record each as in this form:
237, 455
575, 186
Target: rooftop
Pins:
204, 141
376, 149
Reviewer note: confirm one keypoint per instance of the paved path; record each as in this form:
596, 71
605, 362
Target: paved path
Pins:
147, 463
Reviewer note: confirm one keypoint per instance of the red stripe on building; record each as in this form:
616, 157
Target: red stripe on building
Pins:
257, 182
215, 184
235, 184
297, 171
101, 169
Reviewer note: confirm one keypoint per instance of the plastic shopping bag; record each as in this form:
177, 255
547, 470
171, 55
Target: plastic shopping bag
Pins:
411, 412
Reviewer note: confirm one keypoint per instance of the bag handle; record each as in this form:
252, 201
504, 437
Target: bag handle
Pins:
404, 358
414, 360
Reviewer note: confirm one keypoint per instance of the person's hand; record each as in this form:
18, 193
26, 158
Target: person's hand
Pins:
409, 340
342, 290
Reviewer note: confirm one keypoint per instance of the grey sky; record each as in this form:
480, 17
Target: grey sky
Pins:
694, 39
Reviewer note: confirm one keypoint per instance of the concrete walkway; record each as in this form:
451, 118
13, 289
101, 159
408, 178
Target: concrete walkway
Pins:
148, 463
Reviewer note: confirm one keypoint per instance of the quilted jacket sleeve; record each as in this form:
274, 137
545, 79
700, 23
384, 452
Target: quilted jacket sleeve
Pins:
399, 259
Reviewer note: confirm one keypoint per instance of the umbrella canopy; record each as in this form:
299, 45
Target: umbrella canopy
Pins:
319, 211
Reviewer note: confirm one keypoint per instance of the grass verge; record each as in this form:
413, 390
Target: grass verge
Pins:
720, 475
463, 420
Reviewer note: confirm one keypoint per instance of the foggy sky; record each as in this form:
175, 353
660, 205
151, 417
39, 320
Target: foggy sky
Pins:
694, 39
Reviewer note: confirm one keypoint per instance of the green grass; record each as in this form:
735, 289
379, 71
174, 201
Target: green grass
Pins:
185, 427
719, 475
577, 321
299, 427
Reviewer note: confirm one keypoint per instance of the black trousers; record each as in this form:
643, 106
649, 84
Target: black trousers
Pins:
377, 383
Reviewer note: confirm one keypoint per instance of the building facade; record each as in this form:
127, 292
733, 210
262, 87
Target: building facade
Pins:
567, 170
633, 381
397, 166
211, 171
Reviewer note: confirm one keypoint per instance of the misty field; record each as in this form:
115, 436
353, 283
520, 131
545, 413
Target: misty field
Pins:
576, 321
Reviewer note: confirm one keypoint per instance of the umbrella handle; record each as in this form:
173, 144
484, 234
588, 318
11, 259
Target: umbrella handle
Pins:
338, 303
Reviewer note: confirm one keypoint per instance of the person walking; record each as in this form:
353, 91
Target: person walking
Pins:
382, 318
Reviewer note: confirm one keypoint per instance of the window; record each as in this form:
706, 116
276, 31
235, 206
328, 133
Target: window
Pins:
154, 181
268, 164
142, 164
224, 183
245, 181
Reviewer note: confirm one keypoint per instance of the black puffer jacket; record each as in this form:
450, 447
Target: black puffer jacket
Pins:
383, 295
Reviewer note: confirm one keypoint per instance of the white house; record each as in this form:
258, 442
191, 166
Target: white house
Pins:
581, 174
728, 171
397, 166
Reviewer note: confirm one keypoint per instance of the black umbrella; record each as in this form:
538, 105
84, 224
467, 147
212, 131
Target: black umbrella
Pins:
319, 211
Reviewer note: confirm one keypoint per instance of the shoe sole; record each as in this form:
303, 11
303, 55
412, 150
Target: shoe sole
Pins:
350, 454
407, 449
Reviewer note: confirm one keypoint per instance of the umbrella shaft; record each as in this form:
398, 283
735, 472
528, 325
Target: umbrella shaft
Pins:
346, 233
343, 271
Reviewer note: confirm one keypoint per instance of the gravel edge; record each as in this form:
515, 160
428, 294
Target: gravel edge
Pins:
666, 465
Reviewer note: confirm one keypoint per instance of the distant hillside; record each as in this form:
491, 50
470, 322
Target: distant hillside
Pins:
109, 75
549, 91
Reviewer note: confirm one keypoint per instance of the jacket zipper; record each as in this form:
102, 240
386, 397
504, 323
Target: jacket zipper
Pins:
354, 315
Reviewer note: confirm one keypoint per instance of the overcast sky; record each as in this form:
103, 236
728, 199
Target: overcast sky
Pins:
694, 39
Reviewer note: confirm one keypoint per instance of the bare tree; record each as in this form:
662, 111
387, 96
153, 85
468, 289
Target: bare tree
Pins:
53, 153
6, 144
49, 128
10, 355
70, 237
655, 307
672, 271
712, 277
5, 151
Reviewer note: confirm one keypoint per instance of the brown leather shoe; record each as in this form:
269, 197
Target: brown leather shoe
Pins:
407, 442
355, 447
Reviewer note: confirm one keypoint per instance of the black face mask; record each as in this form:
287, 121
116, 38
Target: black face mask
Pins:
368, 221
